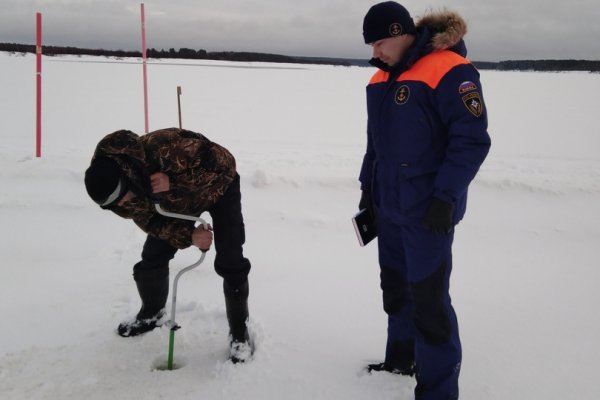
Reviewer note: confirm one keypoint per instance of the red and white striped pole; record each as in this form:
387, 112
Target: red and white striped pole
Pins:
38, 108
144, 68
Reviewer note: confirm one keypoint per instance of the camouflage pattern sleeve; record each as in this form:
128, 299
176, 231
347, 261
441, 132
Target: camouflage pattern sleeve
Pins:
199, 170
177, 232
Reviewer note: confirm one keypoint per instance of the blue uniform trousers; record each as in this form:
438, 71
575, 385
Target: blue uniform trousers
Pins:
422, 326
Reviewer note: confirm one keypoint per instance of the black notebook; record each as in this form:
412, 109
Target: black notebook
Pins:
365, 227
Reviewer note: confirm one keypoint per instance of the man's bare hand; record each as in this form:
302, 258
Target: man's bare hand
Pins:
159, 182
202, 238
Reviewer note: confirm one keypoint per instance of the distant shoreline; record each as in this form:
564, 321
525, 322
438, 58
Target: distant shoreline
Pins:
191, 54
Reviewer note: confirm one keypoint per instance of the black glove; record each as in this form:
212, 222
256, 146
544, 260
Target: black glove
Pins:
366, 203
438, 217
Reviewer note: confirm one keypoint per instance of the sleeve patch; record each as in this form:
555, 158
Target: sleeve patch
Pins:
466, 86
473, 103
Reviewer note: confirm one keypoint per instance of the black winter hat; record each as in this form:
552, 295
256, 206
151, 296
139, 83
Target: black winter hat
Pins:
387, 19
105, 181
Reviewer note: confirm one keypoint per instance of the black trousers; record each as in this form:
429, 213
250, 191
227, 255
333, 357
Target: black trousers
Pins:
229, 237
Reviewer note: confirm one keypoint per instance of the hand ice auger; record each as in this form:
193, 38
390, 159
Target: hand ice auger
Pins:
172, 323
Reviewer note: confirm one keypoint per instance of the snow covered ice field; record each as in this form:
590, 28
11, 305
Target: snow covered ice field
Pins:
525, 280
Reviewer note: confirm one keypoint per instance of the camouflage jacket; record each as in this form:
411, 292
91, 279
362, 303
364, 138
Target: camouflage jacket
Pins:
199, 171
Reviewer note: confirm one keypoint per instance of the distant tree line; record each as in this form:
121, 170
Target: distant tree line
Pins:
549, 65
186, 53
61, 50
182, 53
540, 65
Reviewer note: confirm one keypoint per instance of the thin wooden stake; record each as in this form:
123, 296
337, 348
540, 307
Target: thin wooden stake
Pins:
179, 104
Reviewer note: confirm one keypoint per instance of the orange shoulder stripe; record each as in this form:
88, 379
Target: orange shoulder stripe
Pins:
432, 68
379, 77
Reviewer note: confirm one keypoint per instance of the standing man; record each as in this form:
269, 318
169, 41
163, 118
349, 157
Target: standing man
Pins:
187, 174
427, 138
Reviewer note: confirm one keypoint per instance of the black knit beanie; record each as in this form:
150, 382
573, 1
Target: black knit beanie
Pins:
387, 19
105, 181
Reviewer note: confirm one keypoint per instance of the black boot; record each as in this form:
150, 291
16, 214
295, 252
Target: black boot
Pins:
399, 359
153, 287
384, 367
236, 306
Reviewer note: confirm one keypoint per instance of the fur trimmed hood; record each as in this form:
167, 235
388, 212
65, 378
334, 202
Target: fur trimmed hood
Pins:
447, 28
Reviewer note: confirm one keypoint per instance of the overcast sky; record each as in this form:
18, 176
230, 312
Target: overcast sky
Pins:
498, 29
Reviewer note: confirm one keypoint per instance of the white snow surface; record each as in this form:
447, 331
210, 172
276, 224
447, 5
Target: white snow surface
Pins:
526, 270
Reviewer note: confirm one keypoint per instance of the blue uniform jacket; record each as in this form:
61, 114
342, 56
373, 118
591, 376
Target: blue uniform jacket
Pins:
427, 132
